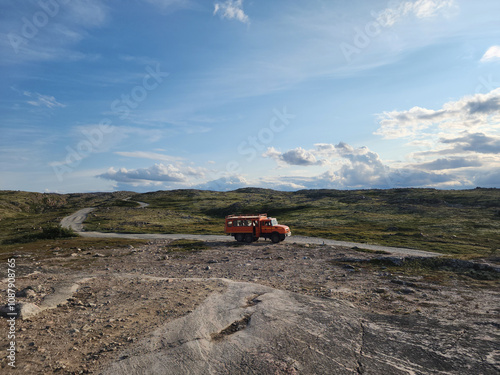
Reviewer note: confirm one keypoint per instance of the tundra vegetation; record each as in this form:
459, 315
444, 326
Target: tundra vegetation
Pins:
464, 223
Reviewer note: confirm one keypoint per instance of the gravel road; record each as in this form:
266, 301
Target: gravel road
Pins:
75, 222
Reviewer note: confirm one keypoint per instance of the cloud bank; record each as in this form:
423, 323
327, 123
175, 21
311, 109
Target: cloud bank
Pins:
480, 111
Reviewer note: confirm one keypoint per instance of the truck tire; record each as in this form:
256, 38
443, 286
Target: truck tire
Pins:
275, 237
239, 237
249, 238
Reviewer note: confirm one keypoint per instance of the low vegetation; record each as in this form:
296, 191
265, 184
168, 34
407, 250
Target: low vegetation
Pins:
463, 223
50, 232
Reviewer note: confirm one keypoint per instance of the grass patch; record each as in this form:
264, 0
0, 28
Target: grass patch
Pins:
121, 203
439, 269
50, 232
382, 252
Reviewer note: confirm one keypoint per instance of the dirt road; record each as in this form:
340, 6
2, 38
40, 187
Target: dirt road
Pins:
75, 221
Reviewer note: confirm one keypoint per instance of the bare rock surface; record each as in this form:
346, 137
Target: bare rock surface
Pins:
260, 308
252, 329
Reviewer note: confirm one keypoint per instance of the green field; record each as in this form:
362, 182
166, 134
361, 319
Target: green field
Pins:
465, 222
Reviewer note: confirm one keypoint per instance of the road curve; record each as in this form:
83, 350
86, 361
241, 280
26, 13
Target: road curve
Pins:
75, 222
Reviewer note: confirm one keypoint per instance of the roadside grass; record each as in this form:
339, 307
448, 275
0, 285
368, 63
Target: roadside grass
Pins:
370, 251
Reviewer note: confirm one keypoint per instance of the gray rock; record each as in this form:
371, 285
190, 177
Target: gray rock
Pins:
26, 292
407, 291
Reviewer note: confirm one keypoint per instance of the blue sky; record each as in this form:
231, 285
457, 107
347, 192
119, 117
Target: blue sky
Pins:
147, 95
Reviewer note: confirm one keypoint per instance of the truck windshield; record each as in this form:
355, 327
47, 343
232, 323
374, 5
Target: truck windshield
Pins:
274, 222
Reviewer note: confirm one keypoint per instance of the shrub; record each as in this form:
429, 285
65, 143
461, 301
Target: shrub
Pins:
55, 231
50, 232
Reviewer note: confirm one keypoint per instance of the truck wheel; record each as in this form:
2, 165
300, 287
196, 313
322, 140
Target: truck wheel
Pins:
239, 237
249, 238
275, 237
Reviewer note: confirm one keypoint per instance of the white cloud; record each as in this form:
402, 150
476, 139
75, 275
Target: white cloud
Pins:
419, 9
297, 156
231, 9
225, 183
156, 173
158, 176
475, 142
40, 100
480, 111
492, 54
352, 168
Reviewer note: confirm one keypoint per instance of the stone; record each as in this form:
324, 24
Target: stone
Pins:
26, 292
407, 291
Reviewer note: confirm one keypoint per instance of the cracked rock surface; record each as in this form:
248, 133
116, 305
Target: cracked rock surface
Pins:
258, 309
283, 332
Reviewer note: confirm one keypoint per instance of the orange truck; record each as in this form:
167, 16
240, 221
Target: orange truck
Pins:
249, 228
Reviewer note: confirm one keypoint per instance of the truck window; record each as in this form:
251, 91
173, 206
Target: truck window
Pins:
274, 222
229, 223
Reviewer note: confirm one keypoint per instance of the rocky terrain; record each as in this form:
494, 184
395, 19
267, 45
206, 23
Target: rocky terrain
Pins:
227, 308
